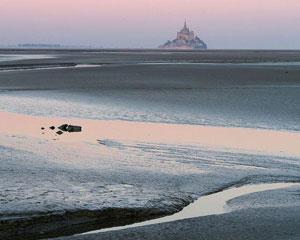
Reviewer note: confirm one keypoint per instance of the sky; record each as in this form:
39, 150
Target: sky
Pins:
222, 24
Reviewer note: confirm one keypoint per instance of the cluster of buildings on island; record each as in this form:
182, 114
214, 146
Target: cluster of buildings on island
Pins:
186, 39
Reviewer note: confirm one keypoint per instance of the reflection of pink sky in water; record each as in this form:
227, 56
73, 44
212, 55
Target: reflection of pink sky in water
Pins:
234, 139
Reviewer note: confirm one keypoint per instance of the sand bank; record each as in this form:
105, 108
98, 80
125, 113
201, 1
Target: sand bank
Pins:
234, 139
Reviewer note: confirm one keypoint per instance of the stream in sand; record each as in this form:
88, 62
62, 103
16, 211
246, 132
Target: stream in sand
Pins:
212, 204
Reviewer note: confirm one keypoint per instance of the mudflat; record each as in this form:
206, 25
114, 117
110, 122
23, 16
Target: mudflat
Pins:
160, 129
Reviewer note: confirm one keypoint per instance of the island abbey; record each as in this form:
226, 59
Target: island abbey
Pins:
186, 39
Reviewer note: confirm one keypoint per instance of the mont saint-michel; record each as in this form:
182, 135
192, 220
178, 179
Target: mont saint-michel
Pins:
186, 39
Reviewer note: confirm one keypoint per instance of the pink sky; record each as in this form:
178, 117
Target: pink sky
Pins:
148, 23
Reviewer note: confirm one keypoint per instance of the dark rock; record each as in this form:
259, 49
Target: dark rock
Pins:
59, 132
64, 127
72, 128
52, 127
42, 128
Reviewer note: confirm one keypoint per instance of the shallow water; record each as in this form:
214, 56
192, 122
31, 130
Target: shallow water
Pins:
42, 173
287, 63
263, 107
128, 164
208, 205
39, 68
15, 57
218, 95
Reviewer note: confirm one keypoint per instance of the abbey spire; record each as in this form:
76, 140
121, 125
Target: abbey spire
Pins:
185, 25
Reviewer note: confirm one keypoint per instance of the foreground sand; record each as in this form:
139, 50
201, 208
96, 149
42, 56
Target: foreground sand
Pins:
269, 142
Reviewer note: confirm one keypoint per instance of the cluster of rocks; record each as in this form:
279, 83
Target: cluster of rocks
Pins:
65, 128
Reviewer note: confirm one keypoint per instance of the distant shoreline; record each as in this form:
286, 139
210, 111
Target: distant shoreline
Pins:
145, 49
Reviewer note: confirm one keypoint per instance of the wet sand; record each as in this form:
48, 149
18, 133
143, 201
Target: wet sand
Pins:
249, 224
123, 87
154, 55
213, 204
253, 141
160, 130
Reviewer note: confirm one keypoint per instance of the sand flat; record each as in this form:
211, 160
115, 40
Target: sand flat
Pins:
170, 128
237, 139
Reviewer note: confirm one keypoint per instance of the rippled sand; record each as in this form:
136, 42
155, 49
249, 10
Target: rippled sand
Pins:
231, 139
160, 130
